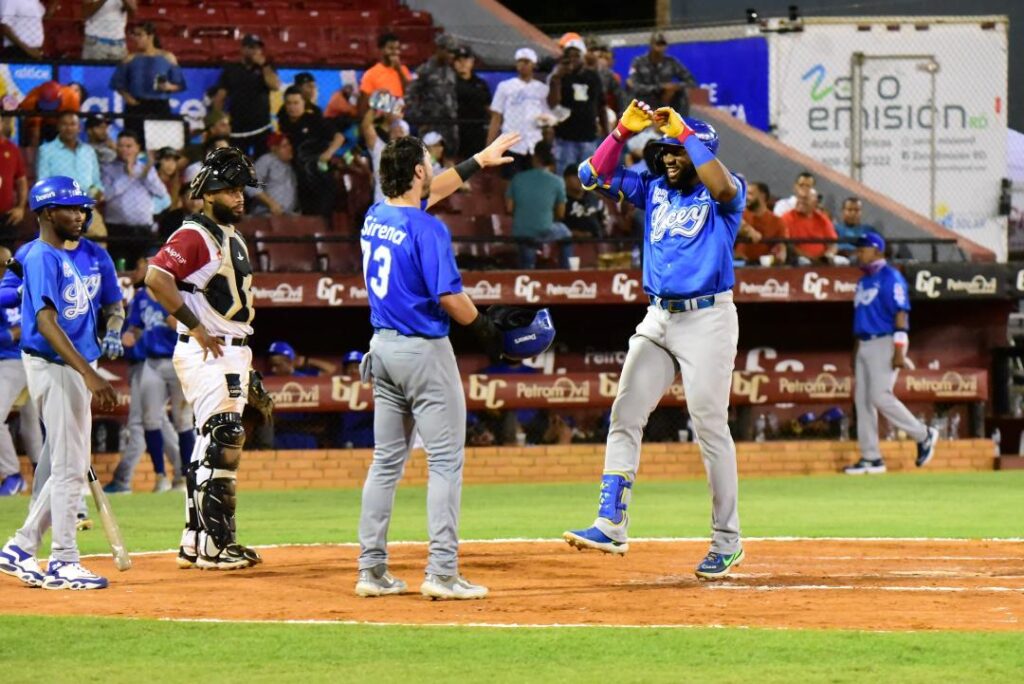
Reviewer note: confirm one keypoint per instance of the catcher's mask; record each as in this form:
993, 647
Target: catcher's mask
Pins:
227, 167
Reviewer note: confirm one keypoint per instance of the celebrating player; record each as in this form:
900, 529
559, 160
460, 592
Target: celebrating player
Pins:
693, 206
881, 321
415, 290
203, 276
59, 347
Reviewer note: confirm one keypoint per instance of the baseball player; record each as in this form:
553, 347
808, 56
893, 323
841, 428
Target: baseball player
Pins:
415, 290
59, 346
881, 323
203, 277
693, 205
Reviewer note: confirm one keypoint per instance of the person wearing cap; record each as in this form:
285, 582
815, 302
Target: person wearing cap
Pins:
279, 194
243, 90
13, 181
306, 83
579, 91
135, 195
518, 105
353, 429
21, 22
283, 361
599, 58
473, 96
881, 328
387, 74
314, 142
52, 97
659, 79
105, 23
97, 134
435, 148
430, 101
147, 79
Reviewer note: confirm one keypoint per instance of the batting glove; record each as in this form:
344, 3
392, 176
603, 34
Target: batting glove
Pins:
636, 118
111, 346
14, 266
671, 124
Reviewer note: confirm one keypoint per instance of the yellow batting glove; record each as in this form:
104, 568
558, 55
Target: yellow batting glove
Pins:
670, 123
636, 118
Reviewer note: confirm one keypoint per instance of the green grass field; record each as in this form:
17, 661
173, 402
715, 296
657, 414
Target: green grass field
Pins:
975, 505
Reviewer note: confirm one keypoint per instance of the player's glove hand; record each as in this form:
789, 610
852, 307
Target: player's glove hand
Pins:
488, 335
111, 347
670, 123
259, 398
14, 266
510, 317
636, 118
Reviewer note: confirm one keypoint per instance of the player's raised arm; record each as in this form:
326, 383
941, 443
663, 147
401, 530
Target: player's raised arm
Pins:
450, 180
602, 172
711, 171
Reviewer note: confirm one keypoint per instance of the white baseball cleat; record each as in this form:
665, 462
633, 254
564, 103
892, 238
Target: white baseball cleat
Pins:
451, 587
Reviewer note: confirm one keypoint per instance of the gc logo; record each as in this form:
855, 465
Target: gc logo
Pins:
329, 291
815, 285
927, 283
527, 288
623, 285
482, 389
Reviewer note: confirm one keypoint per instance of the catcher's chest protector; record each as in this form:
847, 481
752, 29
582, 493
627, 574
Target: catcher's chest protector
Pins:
230, 289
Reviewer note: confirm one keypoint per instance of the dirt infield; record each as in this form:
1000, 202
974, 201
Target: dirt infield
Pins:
855, 584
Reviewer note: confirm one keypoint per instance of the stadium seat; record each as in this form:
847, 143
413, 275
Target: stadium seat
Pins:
162, 17
250, 225
277, 257
359, 190
250, 18
296, 225
459, 225
341, 223
337, 257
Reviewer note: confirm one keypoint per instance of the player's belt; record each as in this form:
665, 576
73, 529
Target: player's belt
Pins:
230, 341
868, 338
680, 305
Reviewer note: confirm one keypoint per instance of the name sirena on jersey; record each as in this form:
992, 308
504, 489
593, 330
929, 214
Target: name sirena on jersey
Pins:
373, 228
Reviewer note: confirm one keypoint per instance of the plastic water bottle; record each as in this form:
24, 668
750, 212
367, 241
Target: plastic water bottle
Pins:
759, 425
954, 427
997, 437
100, 439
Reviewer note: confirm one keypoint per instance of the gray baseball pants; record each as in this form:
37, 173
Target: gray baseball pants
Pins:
702, 345
12, 383
875, 378
65, 404
416, 382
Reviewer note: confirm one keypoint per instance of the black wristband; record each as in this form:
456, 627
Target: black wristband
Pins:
186, 317
467, 168
488, 335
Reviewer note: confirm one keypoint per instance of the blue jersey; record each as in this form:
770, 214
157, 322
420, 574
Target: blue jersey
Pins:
9, 318
158, 338
688, 236
408, 264
52, 280
878, 299
94, 265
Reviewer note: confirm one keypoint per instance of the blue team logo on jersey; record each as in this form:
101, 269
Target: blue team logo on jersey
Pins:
153, 317
76, 294
864, 296
683, 221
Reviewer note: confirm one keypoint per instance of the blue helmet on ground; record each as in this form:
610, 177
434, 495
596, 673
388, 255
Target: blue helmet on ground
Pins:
60, 191
704, 131
531, 339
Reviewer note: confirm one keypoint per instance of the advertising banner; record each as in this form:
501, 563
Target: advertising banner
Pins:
811, 98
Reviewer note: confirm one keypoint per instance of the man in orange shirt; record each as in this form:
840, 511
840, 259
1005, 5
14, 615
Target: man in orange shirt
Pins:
388, 74
804, 221
766, 225
50, 96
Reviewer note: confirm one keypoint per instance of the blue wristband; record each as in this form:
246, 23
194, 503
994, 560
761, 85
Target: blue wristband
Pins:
698, 151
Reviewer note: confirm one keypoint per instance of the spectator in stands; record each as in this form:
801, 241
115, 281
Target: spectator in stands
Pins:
340, 104
430, 100
851, 228
214, 142
578, 90
279, 194
435, 145
13, 181
21, 22
584, 211
314, 142
68, 156
536, 200
804, 221
105, 22
306, 84
135, 194
659, 79
294, 430
474, 97
217, 124
759, 223
341, 112
378, 128
355, 428
518, 105
387, 74
599, 58
50, 96
97, 134
168, 168
803, 185
243, 90
146, 79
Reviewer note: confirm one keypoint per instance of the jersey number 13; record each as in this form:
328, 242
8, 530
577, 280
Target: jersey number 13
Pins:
381, 258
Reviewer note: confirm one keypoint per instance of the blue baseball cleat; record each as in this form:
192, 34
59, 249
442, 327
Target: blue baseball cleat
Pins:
926, 448
717, 565
12, 485
593, 538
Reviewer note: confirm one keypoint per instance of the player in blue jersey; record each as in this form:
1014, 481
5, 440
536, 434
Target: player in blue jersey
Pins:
415, 291
881, 325
59, 346
693, 205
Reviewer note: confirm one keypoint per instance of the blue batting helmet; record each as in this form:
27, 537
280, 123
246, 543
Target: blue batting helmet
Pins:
60, 191
704, 131
529, 340
282, 348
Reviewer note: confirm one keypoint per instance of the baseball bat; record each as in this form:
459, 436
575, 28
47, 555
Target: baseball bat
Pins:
121, 558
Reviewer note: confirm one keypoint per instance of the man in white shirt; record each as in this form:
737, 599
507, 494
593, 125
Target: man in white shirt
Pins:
105, 22
21, 22
802, 186
520, 105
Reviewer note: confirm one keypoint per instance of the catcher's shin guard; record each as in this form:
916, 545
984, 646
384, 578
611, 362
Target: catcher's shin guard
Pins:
215, 499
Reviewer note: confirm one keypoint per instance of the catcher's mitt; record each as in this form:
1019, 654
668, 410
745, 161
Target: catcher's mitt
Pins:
259, 406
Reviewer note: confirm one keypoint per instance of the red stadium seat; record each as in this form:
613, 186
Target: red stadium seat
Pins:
250, 225
296, 225
300, 257
359, 191
338, 257
459, 225
251, 18
163, 16
363, 19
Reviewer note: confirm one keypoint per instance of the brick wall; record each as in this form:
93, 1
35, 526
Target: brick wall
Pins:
579, 463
